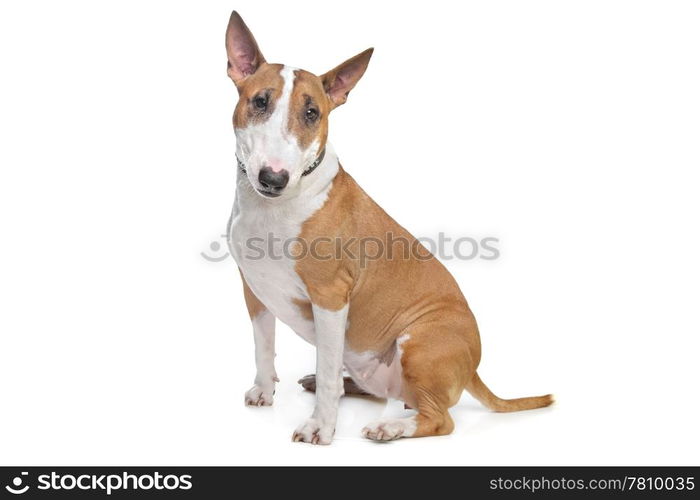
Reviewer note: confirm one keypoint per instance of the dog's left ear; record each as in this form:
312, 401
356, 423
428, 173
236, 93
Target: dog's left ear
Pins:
339, 81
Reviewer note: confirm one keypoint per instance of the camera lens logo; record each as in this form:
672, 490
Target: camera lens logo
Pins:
215, 247
17, 483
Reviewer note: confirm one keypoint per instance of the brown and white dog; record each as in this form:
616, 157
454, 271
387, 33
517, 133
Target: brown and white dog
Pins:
399, 326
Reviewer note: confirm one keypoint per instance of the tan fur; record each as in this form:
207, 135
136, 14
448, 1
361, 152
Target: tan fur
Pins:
267, 77
479, 390
392, 297
308, 90
304, 308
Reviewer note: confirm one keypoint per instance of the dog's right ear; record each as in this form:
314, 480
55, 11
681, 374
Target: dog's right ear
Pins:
244, 56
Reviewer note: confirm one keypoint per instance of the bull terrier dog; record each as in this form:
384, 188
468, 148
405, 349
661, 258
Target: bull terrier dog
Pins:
398, 325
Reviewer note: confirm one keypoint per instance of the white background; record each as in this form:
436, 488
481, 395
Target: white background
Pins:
569, 130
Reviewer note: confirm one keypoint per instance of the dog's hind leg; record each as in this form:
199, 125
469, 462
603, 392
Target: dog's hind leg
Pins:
309, 383
434, 373
433, 418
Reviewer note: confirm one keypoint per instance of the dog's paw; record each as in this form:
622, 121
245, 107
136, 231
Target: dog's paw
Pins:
386, 430
314, 431
308, 382
259, 396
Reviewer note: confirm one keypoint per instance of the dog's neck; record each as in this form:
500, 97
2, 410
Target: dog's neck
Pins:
311, 190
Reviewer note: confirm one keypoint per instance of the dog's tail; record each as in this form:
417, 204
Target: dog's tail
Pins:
479, 390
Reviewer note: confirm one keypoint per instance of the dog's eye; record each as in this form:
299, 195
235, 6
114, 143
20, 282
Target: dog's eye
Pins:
311, 115
260, 103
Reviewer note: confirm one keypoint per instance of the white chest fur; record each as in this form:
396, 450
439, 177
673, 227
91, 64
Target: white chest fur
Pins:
261, 233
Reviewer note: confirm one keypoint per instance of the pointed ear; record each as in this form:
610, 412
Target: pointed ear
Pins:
339, 81
244, 56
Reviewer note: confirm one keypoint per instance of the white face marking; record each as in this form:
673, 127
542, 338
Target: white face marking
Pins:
272, 144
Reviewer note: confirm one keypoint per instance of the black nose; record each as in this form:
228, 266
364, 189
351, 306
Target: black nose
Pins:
275, 181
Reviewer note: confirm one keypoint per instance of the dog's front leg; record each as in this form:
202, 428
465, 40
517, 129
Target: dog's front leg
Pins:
330, 339
264, 334
265, 376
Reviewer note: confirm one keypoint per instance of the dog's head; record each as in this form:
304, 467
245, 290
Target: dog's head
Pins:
281, 119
